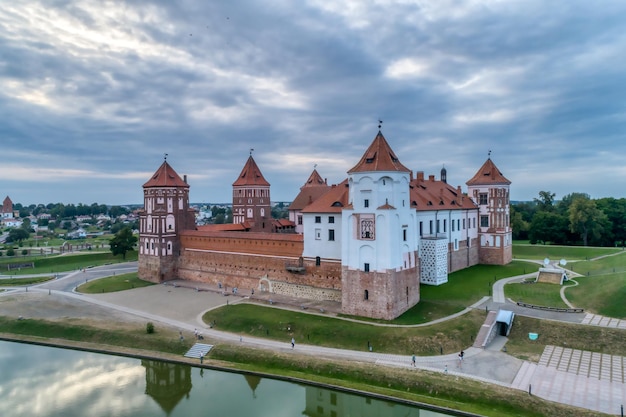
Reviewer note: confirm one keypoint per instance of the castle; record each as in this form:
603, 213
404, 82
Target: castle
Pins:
367, 242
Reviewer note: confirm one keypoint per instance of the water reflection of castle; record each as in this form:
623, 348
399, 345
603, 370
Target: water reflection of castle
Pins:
322, 402
167, 383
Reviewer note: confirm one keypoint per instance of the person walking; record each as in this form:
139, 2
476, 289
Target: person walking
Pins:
413, 360
293, 342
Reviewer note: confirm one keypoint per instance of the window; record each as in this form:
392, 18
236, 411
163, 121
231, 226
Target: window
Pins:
458, 224
473, 222
331, 234
482, 199
367, 228
463, 224
366, 268
484, 221
437, 226
452, 223
366, 294
445, 225
366, 203
318, 261
331, 219
404, 234
318, 219
421, 229
430, 227
318, 234
299, 219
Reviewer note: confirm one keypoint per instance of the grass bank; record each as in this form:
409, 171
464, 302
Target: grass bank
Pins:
407, 384
278, 324
113, 284
11, 282
574, 336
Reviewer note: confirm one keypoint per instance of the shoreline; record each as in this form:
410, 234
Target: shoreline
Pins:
182, 360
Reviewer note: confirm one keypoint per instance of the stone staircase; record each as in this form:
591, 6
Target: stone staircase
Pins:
482, 339
198, 350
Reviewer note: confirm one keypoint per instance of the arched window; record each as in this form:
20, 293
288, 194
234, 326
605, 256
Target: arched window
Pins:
318, 261
366, 295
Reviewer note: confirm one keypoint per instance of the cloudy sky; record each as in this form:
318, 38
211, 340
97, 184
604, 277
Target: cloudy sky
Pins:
94, 93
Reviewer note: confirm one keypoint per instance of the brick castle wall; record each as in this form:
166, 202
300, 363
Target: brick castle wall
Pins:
463, 257
155, 269
387, 296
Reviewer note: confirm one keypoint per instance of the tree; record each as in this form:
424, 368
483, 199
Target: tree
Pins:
17, 235
615, 210
586, 219
519, 225
548, 227
122, 242
545, 202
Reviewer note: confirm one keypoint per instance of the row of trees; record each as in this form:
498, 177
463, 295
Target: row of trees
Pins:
66, 211
574, 220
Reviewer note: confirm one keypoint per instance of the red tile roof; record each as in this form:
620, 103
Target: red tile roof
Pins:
312, 189
379, 157
250, 175
488, 174
437, 195
165, 176
333, 201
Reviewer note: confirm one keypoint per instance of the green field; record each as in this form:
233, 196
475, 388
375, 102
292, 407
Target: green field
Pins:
556, 253
539, 294
64, 262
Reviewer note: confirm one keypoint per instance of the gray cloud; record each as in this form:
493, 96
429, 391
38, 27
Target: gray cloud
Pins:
93, 96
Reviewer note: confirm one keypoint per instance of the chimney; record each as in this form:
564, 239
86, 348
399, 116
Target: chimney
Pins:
459, 194
185, 178
420, 175
431, 178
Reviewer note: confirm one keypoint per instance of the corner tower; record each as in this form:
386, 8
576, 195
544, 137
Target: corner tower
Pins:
251, 199
380, 266
166, 212
489, 190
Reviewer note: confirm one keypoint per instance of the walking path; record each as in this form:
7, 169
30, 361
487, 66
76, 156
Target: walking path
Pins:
553, 378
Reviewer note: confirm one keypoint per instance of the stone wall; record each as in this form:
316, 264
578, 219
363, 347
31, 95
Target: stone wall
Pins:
383, 295
464, 257
305, 291
489, 255
156, 269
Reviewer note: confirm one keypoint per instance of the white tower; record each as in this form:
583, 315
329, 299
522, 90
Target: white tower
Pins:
380, 271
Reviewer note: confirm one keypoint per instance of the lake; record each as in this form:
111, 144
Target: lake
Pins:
45, 381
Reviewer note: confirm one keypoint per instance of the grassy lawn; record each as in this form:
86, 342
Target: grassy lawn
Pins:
112, 284
603, 294
607, 265
540, 294
9, 282
162, 340
556, 253
575, 336
63, 263
277, 324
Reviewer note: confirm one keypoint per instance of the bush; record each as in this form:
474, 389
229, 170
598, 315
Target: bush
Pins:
10, 252
149, 328
24, 252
